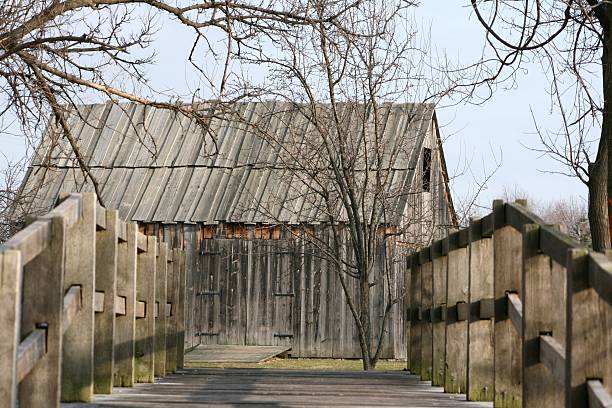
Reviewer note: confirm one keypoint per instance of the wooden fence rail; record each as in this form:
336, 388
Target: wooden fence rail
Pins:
514, 312
86, 303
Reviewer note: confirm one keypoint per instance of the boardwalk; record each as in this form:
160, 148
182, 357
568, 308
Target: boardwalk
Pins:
281, 388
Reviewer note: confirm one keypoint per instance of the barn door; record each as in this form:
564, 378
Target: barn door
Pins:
283, 293
210, 292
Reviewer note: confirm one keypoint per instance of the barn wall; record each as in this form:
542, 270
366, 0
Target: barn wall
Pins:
280, 292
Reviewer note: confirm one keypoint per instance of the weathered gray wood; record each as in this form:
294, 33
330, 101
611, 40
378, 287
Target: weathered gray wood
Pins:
543, 298
515, 312
180, 310
125, 326
600, 277
30, 351
10, 315
480, 372
286, 388
106, 281
440, 268
78, 342
145, 327
214, 353
416, 317
30, 241
408, 309
119, 308
43, 295
552, 355
171, 321
72, 306
455, 377
426, 323
507, 255
598, 396
588, 333
98, 301
161, 276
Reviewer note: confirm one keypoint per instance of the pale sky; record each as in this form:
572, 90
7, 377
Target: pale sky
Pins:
501, 126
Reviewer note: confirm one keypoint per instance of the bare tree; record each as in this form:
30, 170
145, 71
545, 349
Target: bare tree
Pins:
341, 156
571, 213
571, 39
58, 54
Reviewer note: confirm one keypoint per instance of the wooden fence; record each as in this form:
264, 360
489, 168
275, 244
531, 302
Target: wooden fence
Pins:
86, 302
513, 311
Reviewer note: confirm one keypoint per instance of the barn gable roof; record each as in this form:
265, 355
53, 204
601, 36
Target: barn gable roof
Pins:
154, 165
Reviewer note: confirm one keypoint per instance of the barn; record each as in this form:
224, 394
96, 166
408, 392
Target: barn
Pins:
233, 200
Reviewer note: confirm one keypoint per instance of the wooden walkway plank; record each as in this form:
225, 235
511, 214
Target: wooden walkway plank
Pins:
286, 388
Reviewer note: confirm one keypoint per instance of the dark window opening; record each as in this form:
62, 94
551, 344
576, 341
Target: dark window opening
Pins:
426, 169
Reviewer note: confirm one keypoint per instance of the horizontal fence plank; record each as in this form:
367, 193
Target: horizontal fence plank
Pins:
555, 244
598, 396
72, 305
141, 242
600, 276
100, 217
30, 241
517, 215
141, 308
552, 355
122, 231
515, 312
70, 210
30, 351
120, 305
99, 302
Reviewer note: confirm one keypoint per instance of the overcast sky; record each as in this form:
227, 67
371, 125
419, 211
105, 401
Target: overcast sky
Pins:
503, 126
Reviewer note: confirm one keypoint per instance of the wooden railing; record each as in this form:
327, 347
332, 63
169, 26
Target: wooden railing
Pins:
86, 302
513, 311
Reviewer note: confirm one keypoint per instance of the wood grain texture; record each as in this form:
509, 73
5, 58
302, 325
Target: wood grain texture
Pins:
284, 388
144, 349
125, 326
43, 295
440, 269
161, 277
106, 282
80, 268
543, 296
480, 374
507, 254
456, 331
10, 312
589, 326
426, 323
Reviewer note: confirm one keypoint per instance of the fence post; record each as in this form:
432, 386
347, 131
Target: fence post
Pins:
43, 303
589, 318
480, 373
171, 321
543, 297
407, 303
182, 285
10, 316
125, 326
161, 300
427, 308
106, 283
80, 269
455, 377
507, 255
439, 312
145, 326
415, 315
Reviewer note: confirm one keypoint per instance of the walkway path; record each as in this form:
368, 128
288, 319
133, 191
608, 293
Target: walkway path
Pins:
281, 388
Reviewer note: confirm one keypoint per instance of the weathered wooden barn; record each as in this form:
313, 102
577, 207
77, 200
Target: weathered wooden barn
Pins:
251, 280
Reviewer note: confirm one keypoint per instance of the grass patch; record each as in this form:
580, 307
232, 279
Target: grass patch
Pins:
324, 364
